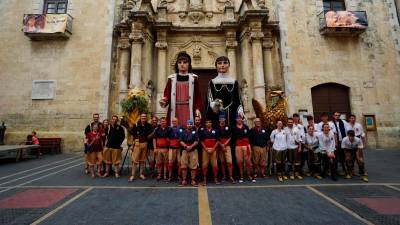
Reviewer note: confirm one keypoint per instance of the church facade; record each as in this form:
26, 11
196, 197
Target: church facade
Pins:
326, 55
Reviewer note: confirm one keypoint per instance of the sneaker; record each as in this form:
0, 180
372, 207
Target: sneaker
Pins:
348, 176
142, 177
183, 183
280, 179
131, 179
232, 180
299, 177
194, 183
241, 180
364, 178
318, 177
253, 180
285, 177
291, 177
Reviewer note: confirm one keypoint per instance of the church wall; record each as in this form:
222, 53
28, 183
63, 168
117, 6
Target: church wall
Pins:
80, 66
368, 64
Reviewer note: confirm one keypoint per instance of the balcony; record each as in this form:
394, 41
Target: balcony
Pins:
47, 26
342, 23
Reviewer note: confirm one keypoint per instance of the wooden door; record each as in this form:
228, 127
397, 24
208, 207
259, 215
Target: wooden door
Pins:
329, 98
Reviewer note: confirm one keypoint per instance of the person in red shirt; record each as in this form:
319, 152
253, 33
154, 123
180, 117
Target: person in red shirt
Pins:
209, 138
94, 148
35, 141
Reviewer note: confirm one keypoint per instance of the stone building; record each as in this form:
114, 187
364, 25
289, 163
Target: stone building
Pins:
53, 82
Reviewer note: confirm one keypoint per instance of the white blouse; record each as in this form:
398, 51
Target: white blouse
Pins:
278, 138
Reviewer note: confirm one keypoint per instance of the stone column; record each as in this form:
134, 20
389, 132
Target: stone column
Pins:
123, 67
231, 45
259, 83
136, 56
267, 45
161, 46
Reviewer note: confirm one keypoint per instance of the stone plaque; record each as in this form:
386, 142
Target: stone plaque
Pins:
44, 89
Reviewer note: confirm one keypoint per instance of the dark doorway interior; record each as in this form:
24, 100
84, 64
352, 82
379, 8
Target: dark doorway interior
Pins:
204, 77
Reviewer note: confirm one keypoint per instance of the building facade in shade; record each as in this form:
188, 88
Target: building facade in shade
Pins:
73, 58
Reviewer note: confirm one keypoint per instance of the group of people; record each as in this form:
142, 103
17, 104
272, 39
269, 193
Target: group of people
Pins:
179, 144
185, 153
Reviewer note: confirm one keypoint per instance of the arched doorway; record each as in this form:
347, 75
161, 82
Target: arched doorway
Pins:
329, 98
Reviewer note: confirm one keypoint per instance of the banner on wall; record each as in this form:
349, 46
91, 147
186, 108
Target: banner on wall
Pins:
357, 19
48, 23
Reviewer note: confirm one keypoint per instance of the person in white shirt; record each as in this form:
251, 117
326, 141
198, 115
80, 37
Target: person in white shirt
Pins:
279, 146
324, 119
358, 132
340, 128
305, 153
351, 145
357, 128
311, 144
293, 139
327, 146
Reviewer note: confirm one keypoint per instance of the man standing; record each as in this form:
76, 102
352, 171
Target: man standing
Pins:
327, 143
88, 129
161, 144
240, 134
181, 94
293, 150
141, 133
223, 95
113, 150
189, 139
341, 128
224, 152
209, 141
258, 140
174, 153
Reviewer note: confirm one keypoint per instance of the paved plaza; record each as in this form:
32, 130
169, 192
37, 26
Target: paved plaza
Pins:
54, 190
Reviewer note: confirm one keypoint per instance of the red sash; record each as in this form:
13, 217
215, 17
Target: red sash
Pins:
224, 140
210, 143
174, 143
162, 142
242, 142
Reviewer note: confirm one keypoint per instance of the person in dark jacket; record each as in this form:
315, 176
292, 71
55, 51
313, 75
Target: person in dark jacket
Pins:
112, 152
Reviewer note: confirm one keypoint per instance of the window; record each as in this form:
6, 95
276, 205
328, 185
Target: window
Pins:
55, 6
335, 5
